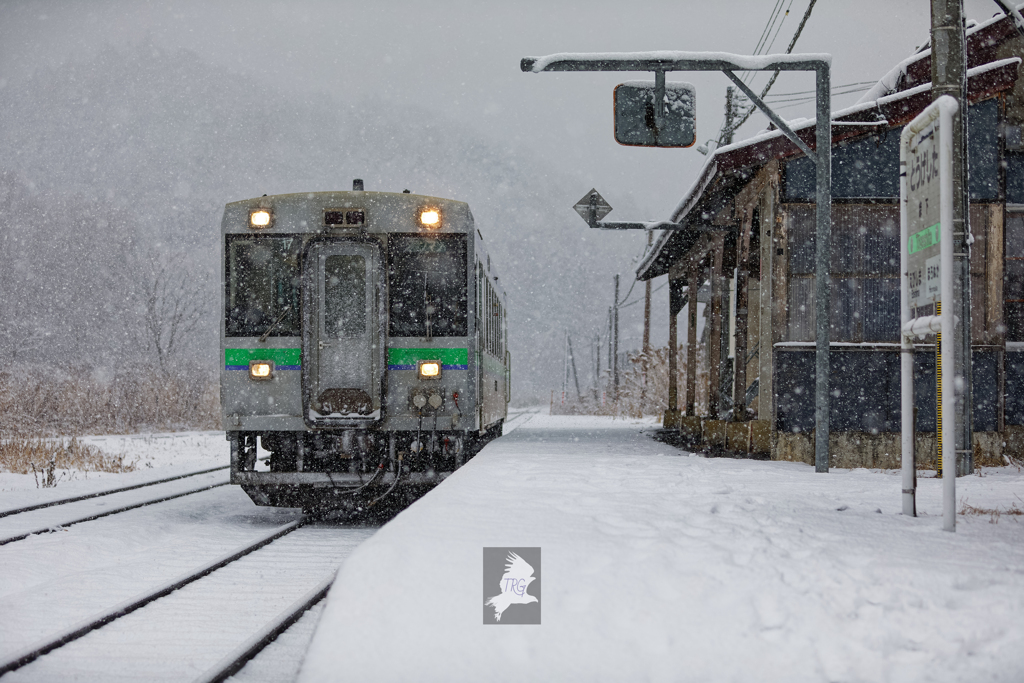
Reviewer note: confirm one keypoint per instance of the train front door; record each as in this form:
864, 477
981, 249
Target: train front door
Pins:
341, 334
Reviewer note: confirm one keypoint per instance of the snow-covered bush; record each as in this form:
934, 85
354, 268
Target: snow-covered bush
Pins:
62, 401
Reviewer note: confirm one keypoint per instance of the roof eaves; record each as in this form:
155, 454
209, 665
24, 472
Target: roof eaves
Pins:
721, 161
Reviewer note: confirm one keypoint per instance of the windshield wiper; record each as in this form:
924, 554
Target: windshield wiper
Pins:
263, 337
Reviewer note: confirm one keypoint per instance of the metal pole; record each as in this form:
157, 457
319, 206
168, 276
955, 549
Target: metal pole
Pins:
948, 344
659, 102
949, 77
823, 238
615, 355
907, 412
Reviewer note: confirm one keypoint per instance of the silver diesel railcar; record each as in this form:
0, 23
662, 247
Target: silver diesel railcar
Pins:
364, 346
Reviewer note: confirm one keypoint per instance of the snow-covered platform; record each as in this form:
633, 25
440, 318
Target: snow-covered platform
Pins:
661, 566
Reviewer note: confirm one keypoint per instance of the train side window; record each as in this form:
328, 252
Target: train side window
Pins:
498, 328
476, 300
262, 276
487, 319
481, 298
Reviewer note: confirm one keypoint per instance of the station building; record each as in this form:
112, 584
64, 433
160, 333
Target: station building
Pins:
751, 242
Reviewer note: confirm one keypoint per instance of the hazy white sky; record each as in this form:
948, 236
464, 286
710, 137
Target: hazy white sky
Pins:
461, 59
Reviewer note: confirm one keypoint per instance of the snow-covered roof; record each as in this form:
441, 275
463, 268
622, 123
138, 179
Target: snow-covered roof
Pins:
890, 82
889, 108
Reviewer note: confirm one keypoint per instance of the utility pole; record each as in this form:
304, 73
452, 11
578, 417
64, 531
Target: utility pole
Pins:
645, 360
615, 344
572, 363
949, 77
565, 366
611, 333
730, 115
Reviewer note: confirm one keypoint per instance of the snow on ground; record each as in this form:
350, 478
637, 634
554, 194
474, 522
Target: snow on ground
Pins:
156, 456
661, 566
182, 635
49, 582
280, 661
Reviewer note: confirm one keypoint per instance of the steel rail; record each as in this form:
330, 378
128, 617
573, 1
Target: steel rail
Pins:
240, 656
105, 513
64, 501
75, 632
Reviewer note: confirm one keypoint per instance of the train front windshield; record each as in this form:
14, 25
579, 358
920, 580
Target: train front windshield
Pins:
427, 285
263, 286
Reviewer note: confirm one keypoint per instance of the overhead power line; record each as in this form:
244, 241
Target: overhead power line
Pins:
760, 48
768, 49
771, 82
812, 93
636, 301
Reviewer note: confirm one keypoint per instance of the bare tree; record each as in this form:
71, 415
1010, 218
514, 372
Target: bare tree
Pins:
20, 337
170, 302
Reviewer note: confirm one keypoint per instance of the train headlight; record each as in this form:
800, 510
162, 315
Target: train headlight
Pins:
261, 369
419, 400
430, 218
429, 369
260, 218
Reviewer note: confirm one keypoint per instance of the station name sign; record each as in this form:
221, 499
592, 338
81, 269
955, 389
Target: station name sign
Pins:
923, 204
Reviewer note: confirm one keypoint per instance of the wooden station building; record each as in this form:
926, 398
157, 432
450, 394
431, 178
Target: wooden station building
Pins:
751, 238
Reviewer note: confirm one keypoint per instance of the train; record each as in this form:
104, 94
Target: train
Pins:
365, 345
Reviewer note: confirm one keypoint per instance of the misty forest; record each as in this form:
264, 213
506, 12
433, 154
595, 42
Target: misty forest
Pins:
114, 175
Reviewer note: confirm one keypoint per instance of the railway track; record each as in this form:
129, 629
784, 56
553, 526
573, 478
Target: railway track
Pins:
100, 494
199, 626
203, 625
19, 524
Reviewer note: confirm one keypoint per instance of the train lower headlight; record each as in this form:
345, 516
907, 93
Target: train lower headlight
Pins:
435, 401
261, 369
430, 218
430, 369
259, 219
419, 400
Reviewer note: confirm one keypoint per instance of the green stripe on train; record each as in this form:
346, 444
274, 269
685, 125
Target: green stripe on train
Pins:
279, 356
410, 356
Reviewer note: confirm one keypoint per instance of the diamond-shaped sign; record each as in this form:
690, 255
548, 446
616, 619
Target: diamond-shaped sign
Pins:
601, 207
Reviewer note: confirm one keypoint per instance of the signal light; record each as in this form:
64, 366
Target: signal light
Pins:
430, 218
259, 219
261, 369
429, 369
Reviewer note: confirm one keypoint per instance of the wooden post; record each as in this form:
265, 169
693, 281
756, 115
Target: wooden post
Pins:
715, 339
673, 389
645, 357
739, 391
693, 284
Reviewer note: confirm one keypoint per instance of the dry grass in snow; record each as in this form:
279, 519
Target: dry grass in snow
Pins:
44, 457
994, 513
